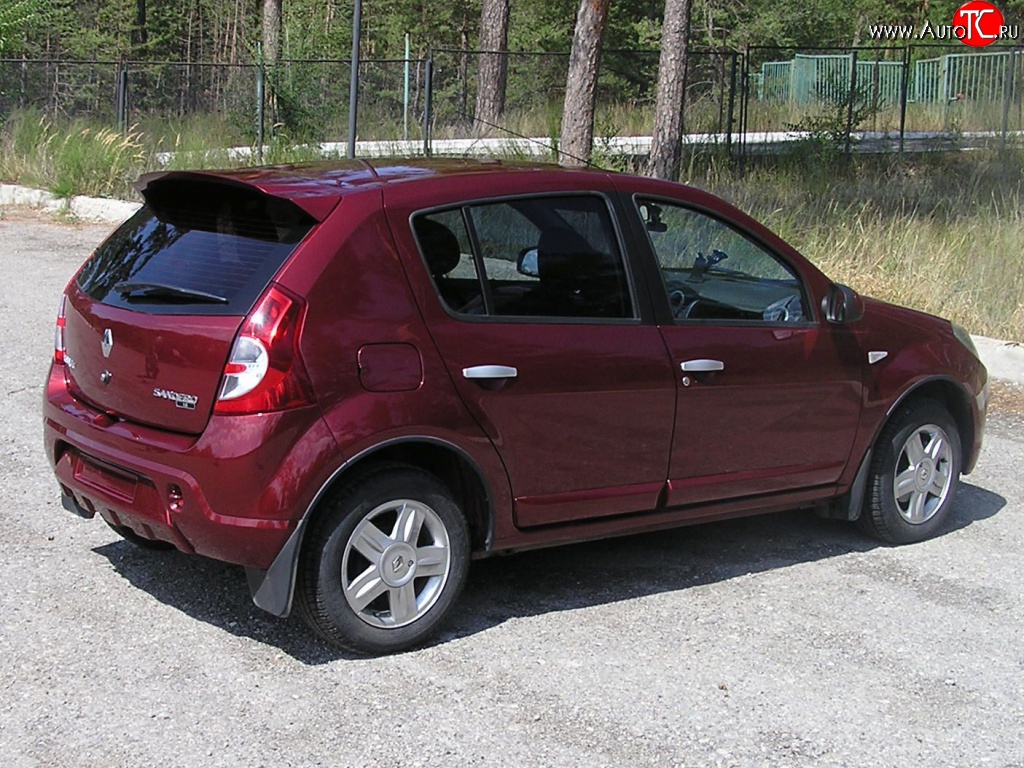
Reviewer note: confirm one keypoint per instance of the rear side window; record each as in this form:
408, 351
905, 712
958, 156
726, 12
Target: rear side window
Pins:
195, 248
547, 257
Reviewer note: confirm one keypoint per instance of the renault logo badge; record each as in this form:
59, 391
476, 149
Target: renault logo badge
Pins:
108, 342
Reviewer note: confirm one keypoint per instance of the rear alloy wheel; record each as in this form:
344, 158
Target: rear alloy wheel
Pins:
386, 562
914, 475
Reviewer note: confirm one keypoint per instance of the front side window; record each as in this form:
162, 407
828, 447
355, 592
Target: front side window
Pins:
713, 272
532, 257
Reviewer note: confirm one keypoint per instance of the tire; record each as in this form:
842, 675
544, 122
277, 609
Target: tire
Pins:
914, 475
126, 533
385, 562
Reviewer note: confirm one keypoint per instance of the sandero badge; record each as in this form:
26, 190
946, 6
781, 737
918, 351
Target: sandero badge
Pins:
179, 399
384, 369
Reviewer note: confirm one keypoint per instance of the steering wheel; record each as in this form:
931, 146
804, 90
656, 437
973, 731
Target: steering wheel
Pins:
784, 310
681, 304
676, 300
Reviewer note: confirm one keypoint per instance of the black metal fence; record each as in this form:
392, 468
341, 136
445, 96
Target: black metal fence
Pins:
760, 99
302, 99
536, 83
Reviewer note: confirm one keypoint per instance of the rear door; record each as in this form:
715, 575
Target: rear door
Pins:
151, 317
537, 318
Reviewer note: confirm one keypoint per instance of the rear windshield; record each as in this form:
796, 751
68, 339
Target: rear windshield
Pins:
195, 248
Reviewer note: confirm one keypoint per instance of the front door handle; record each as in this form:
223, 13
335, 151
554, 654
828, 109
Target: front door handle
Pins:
702, 366
490, 372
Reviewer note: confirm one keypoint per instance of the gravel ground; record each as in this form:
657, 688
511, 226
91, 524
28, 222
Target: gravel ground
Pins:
776, 641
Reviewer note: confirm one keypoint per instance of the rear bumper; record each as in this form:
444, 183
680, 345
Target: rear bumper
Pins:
234, 493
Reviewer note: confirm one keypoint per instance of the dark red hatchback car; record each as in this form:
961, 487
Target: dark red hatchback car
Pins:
353, 378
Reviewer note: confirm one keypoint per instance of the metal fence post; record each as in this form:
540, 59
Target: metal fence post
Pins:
743, 104
850, 100
875, 85
1009, 71
732, 105
353, 81
904, 95
428, 92
121, 103
261, 99
405, 93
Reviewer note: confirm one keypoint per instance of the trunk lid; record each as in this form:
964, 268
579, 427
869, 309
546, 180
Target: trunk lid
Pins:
151, 318
160, 370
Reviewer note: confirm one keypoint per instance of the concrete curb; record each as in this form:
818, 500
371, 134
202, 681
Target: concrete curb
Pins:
88, 208
1004, 359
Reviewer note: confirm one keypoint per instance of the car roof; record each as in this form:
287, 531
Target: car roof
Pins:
317, 187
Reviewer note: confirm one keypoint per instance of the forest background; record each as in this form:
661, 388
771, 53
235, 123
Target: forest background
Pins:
942, 231
226, 31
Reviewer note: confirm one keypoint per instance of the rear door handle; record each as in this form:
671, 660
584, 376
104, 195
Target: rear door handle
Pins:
702, 366
490, 372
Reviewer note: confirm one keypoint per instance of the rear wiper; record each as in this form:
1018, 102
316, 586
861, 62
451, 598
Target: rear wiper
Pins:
130, 290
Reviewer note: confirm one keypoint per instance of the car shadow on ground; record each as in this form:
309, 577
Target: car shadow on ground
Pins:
537, 582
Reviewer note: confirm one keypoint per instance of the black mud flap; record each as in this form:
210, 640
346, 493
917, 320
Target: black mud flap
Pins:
273, 589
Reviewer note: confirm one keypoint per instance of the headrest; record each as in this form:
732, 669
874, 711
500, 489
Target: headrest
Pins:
561, 254
439, 244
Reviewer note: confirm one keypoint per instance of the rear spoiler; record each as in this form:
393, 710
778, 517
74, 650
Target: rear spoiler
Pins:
315, 200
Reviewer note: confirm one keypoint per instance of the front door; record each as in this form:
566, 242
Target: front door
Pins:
769, 394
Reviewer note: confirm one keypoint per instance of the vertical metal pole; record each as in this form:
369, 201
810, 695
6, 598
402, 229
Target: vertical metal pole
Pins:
405, 94
261, 99
720, 70
428, 93
122, 99
118, 100
353, 81
744, 116
849, 101
732, 106
1008, 76
1018, 57
875, 87
904, 95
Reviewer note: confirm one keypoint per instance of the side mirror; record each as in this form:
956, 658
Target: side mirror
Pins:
842, 305
526, 264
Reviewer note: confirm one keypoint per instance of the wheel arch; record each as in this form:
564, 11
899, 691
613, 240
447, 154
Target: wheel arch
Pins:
273, 589
946, 391
949, 393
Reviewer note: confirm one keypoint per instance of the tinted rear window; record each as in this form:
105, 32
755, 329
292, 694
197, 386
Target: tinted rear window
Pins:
204, 238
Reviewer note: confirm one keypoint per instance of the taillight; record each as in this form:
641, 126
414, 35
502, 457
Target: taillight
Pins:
265, 371
58, 336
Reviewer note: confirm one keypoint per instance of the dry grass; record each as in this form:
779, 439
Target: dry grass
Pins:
943, 232
73, 159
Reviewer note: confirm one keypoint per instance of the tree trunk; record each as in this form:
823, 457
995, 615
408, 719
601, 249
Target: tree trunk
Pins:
577, 140
271, 31
139, 35
493, 70
666, 146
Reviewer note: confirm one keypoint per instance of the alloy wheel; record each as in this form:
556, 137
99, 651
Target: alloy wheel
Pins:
396, 563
